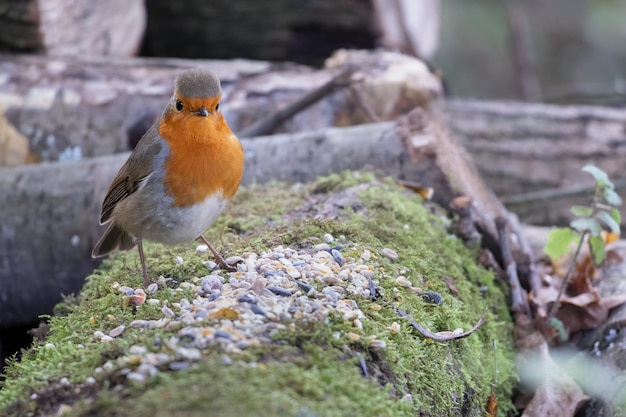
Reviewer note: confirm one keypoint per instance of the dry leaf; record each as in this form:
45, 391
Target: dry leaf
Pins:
450, 283
587, 311
583, 273
492, 405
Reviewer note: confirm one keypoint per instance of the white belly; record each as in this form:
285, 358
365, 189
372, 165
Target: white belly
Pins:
168, 224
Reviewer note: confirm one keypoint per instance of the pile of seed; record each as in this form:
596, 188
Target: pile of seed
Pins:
273, 291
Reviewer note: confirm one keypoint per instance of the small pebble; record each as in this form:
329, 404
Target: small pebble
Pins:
365, 256
202, 248
328, 238
90, 380
394, 328
232, 260
178, 366
403, 282
222, 334
378, 344
137, 350
106, 339
168, 312
190, 354
322, 247
152, 288
280, 291
338, 256
179, 260
117, 331
354, 336
210, 265
390, 253
138, 324
136, 376
257, 310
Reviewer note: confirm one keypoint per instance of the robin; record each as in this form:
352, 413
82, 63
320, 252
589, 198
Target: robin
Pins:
180, 176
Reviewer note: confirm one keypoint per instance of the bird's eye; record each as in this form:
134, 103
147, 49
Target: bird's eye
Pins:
179, 105
217, 107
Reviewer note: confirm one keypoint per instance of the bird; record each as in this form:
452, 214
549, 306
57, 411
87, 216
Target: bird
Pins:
180, 176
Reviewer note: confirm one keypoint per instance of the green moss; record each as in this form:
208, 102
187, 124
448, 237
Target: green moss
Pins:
311, 369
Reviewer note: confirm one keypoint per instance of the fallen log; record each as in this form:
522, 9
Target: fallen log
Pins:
520, 148
71, 108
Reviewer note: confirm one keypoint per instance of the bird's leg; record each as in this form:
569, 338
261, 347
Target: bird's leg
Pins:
146, 280
221, 262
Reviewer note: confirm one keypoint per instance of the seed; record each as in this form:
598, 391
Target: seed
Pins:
403, 282
167, 312
394, 328
390, 253
117, 331
321, 247
354, 337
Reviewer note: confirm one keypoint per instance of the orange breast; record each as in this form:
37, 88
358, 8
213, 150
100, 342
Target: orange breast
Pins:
206, 158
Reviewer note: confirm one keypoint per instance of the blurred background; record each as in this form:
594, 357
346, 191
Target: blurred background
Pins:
561, 51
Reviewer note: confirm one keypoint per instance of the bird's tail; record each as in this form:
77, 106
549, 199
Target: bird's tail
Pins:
113, 238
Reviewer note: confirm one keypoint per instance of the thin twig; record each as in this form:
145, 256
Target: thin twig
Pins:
268, 124
519, 302
572, 264
554, 193
439, 336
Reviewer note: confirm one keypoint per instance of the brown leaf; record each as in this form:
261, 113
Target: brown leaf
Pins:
584, 272
587, 311
492, 404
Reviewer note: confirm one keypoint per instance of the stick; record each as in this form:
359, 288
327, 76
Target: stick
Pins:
518, 296
267, 125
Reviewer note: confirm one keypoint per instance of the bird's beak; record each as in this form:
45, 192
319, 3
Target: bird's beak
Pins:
202, 111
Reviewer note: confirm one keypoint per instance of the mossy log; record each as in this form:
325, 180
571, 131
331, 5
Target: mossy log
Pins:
261, 342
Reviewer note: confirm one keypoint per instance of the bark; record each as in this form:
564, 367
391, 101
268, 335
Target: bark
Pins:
527, 147
73, 27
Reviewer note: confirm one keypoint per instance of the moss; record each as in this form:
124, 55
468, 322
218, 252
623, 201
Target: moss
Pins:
309, 370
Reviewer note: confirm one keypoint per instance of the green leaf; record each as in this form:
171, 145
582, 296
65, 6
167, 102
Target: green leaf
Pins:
600, 176
581, 211
611, 197
559, 328
606, 218
587, 224
616, 216
596, 246
559, 240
